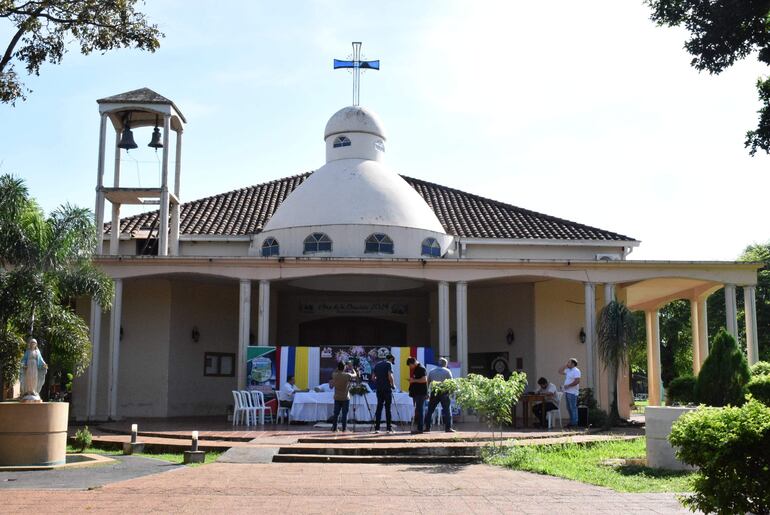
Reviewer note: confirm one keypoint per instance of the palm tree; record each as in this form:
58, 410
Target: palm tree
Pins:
615, 334
45, 263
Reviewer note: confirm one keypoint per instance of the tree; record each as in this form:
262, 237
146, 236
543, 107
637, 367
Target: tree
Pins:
42, 30
615, 334
45, 263
721, 33
724, 375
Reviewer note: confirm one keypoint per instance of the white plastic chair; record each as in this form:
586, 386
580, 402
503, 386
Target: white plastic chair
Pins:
258, 402
249, 408
549, 415
239, 410
438, 416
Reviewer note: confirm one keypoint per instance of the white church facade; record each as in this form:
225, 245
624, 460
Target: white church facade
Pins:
354, 254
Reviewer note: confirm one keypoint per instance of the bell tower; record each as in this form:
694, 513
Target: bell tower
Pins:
127, 111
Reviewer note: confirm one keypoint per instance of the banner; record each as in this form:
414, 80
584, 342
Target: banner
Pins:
354, 308
260, 369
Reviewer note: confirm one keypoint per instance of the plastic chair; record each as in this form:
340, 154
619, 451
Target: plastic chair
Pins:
438, 416
239, 410
283, 413
549, 415
249, 407
258, 401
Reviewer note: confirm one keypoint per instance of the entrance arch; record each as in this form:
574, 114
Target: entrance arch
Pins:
352, 331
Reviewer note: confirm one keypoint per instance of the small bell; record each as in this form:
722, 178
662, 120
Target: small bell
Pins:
127, 138
155, 142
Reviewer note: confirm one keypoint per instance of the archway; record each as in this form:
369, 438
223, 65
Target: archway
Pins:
352, 331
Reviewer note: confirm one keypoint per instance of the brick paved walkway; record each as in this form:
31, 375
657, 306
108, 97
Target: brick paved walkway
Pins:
323, 488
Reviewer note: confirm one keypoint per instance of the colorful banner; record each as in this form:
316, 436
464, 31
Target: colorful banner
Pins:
260, 369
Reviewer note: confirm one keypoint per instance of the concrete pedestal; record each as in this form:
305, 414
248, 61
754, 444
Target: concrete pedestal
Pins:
33, 434
133, 448
194, 457
658, 422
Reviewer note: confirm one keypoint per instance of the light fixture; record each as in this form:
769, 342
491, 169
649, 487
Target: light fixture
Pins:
196, 335
582, 335
127, 137
509, 336
155, 142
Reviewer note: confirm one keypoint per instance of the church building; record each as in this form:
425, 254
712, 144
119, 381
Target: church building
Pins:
353, 254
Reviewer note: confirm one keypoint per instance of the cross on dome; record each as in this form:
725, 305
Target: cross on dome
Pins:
356, 64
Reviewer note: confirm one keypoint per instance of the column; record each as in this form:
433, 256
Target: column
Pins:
175, 208
590, 328
461, 300
443, 319
115, 229
95, 328
703, 331
750, 307
652, 322
99, 209
604, 382
609, 293
695, 337
731, 312
164, 200
244, 326
264, 314
114, 367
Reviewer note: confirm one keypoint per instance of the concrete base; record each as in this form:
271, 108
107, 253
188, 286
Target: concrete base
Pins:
33, 434
132, 448
658, 422
194, 457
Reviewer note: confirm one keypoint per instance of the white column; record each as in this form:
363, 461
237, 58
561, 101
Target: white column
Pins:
115, 229
609, 293
264, 314
244, 326
731, 311
590, 323
114, 367
95, 328
175, 209
703, 331
461, 299
164, 201
695, 337
750, 307
443, 319
99, 209
654, 383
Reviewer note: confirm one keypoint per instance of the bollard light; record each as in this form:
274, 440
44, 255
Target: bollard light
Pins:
195, 441
134, 430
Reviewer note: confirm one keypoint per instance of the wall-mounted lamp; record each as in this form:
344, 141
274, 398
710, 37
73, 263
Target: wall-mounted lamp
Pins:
582, 335
509, 336
196, 335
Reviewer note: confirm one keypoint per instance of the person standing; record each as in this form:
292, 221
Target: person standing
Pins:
342, 378
571, 388
418, 390
384, 386
437, 375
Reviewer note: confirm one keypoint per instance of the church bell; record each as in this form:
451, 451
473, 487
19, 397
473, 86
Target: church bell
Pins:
127, 138
155, 142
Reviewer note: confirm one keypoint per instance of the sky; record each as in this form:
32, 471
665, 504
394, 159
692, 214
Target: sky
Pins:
583, 110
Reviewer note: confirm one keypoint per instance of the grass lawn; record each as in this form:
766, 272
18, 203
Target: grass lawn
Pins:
583, 463
170, 457
639, 406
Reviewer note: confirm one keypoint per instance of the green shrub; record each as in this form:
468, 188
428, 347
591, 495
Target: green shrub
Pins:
681, 390
724, 374
597, 417
730, 447
760, 368
83, 438
759, 388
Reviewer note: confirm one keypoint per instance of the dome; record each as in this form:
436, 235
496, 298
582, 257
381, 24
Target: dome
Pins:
355, 119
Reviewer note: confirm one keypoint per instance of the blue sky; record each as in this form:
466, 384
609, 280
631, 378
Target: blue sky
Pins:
582, 110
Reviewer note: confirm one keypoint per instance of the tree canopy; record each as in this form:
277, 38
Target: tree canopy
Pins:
42, 30
721, 33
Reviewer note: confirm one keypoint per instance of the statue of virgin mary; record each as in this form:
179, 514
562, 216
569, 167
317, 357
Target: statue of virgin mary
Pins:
32, 375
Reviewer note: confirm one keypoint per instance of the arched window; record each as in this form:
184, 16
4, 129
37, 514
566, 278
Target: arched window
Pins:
270, 247
341, 141
317, 242
431, 248
378, 243
379, 145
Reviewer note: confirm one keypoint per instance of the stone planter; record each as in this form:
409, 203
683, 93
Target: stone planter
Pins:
658, 422
33, 434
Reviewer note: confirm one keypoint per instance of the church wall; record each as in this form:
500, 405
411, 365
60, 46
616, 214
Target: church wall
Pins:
492, 310
204, 248
79, 405
537, 252
212, 307
143, 376
559, 316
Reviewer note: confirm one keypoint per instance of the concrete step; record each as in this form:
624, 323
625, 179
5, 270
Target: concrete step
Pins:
177, 436
386, 439
425, 460
415, 450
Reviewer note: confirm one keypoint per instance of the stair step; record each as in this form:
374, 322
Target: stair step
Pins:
427, 460
374, 440
383, 451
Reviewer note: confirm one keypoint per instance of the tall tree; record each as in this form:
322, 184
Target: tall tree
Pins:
721, 33
45, 263
40, 32
615, 334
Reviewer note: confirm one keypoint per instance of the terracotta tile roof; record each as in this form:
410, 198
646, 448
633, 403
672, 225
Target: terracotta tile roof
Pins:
247, 210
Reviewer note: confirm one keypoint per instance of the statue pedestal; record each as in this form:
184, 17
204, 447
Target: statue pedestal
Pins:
33, 434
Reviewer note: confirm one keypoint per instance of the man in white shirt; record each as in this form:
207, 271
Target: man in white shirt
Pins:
549, 390
571, 388
287, 391
326, 387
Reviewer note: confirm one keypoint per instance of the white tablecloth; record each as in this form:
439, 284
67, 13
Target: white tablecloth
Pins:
315, 406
